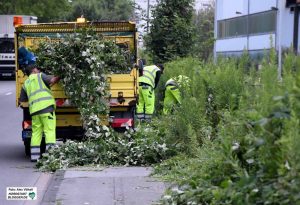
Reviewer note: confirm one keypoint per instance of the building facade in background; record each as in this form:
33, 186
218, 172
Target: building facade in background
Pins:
255, 26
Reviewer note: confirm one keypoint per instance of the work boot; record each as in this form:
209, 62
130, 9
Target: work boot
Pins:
35, 153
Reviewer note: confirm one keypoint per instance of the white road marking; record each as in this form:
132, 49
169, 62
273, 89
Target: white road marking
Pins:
9, 93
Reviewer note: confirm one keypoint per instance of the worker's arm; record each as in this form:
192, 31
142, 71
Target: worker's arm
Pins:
158, 74
50, 80
23, 96
54, 80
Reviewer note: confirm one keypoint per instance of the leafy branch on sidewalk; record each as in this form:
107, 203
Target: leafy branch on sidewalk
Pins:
145, 146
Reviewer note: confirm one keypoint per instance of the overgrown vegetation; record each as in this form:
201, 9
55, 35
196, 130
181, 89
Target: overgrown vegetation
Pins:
234, 139
236, 135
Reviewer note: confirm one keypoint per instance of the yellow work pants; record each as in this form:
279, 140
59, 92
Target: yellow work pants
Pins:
43, 123
145, 106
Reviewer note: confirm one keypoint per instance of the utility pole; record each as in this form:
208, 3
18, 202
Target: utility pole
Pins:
148, 11
296, 27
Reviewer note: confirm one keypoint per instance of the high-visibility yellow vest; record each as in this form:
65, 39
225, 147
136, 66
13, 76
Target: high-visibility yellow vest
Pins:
149, 74
39, 95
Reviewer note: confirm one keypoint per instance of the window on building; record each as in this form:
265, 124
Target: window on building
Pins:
262, 22
247, 25
232, 27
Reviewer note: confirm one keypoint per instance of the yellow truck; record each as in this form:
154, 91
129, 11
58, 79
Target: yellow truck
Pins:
123, 87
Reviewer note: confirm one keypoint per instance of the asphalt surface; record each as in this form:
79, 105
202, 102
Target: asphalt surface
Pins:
16, 170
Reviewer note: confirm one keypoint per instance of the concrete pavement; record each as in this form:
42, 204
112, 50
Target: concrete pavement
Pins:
104, 186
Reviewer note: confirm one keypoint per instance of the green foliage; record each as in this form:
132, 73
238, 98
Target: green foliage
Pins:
246, 126
213, 88
45, 10
82, 61
69, 10
101, 10
171, 32
204, 29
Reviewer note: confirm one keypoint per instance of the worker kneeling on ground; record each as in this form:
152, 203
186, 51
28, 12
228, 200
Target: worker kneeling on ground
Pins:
173, 88
147, 83
36, 91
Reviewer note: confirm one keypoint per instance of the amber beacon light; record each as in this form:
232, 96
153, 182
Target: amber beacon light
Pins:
18, 20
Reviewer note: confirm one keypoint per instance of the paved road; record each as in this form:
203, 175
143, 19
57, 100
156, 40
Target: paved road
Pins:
15, 168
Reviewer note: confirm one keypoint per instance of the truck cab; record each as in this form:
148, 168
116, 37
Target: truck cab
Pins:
7, 48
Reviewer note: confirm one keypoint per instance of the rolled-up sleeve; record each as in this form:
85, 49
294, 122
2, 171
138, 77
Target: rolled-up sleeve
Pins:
23, 96
47, 79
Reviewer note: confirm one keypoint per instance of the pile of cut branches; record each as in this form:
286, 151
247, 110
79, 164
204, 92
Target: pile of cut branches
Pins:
83, 61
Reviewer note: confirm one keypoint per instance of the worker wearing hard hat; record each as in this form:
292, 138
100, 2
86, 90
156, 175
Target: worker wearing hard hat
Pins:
147, 83
36, 91
173, 89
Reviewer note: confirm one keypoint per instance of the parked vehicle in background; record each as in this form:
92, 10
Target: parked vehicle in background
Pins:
7, 47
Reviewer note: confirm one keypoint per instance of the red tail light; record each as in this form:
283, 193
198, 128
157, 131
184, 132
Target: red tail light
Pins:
63, 102
27, 124
122, 122
59, 102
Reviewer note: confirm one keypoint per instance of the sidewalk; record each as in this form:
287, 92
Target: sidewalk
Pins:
104, 186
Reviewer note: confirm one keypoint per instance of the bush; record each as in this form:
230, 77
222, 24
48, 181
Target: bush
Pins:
246, 153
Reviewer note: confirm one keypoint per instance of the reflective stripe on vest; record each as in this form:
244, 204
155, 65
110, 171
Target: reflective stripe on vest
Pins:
149, 74
39, 95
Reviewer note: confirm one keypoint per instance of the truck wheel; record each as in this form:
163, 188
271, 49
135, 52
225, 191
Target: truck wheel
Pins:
27, 146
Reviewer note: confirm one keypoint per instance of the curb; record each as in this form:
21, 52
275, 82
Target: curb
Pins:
54, 184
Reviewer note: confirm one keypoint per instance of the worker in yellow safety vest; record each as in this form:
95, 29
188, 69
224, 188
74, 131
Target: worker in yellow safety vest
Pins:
36, 91
147, 83
172, 95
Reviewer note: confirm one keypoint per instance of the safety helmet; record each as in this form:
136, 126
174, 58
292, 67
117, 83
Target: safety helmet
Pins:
25, 57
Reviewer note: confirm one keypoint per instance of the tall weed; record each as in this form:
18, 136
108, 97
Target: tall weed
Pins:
246, 125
